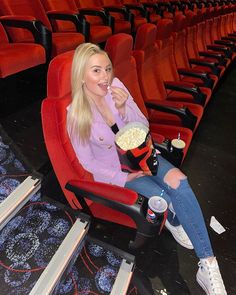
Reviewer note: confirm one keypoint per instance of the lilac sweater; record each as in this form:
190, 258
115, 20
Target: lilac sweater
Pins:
99, 155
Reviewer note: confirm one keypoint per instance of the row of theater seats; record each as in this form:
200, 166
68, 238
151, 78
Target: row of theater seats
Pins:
171, 80
45, 22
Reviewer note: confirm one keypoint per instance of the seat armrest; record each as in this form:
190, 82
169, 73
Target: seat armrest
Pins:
121, 10
78, 20
208, 82
198, 96
143, 11
106, 19
116, 198
188, 119
219, 47
40, 33
154, 6
227, 43
230, 45
217, 55
204, 62
230, 38
128, 15
166, 5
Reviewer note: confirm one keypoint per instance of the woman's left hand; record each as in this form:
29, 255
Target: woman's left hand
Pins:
120, 97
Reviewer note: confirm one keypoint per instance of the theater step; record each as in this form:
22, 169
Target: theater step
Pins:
18, 198
123, 278
67, 254
61, 261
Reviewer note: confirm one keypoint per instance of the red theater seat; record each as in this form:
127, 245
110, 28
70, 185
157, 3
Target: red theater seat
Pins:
153, 10
17, 57
152, 86
100, 28
94, 33
120, 19
120, 14
206, 58
166, 60
146, 11
138, 15
33, 10
188, 73
104, 201
210, 29
119, 47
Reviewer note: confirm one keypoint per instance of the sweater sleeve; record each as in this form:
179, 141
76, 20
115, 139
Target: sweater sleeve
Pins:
100, 170
132, 111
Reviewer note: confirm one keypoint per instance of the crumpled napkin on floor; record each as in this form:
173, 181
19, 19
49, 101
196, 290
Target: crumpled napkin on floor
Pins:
216, 225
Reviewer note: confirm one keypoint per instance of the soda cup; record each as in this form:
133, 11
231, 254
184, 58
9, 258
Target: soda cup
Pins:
178, 144
157, 207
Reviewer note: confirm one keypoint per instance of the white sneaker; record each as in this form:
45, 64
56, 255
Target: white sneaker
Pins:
209, 278
179, 235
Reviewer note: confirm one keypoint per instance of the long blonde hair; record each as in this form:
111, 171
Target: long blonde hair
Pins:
79, 118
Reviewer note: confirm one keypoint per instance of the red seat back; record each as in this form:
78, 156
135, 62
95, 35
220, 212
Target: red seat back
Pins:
179, 35
112, 3
149, 71
54, 113
119, 47
25, 8
63, 5
164, 40
138, 19
120, 24
191, 41
93, 20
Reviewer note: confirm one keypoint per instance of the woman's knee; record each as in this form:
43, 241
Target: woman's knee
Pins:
173, 177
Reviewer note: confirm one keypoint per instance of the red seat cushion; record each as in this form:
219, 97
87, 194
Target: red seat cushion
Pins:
18, 57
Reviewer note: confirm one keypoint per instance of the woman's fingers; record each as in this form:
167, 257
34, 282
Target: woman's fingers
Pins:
119, 93
119, 96
132, 176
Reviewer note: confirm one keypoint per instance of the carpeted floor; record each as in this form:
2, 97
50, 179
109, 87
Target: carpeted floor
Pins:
32, 236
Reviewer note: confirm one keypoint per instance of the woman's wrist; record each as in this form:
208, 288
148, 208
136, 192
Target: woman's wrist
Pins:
122, 112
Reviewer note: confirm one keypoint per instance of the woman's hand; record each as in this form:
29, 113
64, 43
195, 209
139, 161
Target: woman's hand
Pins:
134, 175
119, 96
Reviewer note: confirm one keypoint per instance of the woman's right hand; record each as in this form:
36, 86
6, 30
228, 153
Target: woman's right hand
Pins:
132, 176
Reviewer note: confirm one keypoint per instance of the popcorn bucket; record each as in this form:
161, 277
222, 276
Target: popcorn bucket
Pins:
135, 149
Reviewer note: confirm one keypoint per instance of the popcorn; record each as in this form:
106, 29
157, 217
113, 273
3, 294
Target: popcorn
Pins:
131, 138
135, 149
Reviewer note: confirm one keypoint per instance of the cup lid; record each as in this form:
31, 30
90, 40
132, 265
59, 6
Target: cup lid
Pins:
178, 143
157, 204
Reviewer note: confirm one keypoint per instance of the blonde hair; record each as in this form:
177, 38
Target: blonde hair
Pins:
79, 118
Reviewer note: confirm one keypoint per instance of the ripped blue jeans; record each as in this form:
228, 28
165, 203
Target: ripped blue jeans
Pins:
187, 210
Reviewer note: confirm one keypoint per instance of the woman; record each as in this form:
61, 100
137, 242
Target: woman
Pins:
101, 105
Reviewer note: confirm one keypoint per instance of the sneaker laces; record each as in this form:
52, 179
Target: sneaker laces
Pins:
216, 281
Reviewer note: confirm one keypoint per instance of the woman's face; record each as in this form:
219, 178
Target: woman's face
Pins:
98, 76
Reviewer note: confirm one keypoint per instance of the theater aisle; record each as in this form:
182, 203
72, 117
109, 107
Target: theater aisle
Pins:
211, 168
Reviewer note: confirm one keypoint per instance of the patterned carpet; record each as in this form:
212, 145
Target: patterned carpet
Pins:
29, 240
13, 168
